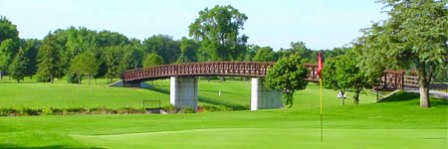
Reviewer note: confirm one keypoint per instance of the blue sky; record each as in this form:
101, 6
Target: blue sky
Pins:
321, 24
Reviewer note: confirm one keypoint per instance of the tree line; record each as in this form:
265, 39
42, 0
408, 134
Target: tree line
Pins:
77, 52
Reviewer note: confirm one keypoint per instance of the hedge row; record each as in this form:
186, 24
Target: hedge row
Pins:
67, 111
102, 110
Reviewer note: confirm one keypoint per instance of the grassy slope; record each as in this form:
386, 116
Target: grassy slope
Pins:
393, 124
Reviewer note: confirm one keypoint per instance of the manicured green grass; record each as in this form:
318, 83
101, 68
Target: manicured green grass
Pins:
396, 123
62, 95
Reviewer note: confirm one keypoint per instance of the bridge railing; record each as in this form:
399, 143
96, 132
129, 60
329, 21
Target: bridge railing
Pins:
226, 68
249, 69
392, 79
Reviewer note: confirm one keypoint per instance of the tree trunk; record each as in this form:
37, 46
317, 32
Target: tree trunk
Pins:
356, 96
424, 92
1, 76
424, 98
90, 76
423, 81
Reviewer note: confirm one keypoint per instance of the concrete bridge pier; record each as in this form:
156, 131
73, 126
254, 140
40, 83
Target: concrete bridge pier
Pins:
264, 98
184, 92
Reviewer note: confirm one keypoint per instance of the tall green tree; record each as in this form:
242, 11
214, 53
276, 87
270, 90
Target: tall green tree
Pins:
17, 69
164, 46
152, 60
188, 49
132, 58
8, 50
7, 29
343, 73
251, 50
299, 48
9, 38
287, 75
85, 64
218, 31
50, 64
107, 38
265, 54
31, 50
112, 57
415, 35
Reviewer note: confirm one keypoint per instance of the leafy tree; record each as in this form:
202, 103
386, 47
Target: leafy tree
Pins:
17, 69
164, 46
265, 54
288, 75
84, 64
31, 50
414, 35
8, 50
188, 50
49, 60
107, 38
250, 52
112, 58
218, 31
132, 58
9, 37
299, 48
7, 30
343, 73
152, 60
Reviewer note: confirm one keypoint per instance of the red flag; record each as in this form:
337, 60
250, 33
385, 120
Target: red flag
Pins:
319, 65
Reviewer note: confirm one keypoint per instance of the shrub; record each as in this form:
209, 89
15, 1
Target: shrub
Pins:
47, 111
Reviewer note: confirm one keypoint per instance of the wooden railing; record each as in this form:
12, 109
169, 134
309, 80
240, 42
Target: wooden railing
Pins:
391, 80
398, 79
242, 69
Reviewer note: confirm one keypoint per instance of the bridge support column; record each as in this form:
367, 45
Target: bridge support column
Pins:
184, 92
264, 98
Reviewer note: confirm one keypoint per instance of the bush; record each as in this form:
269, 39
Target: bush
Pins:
169, 108
47, 111
212, 108
73, 78
29, 112
188, 110
7, 112
129, 111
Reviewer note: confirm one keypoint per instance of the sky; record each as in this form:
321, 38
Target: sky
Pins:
320, 24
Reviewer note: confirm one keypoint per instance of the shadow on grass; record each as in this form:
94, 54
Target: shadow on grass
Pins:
406, 96
435, 102
399, 96
9, 146
206, 100
221, 103
160, 90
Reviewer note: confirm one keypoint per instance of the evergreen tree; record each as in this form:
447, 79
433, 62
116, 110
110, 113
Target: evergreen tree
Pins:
49, 60
31, 50
17, 69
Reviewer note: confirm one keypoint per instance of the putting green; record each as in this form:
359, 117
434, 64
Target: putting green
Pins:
273, 138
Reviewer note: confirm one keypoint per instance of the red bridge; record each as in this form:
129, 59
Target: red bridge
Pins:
184, 83
390, 81
241, 69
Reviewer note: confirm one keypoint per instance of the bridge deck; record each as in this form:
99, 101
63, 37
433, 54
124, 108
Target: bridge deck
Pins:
241, 69
390, 81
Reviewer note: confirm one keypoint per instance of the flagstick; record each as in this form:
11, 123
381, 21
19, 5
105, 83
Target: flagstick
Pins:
321, 114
